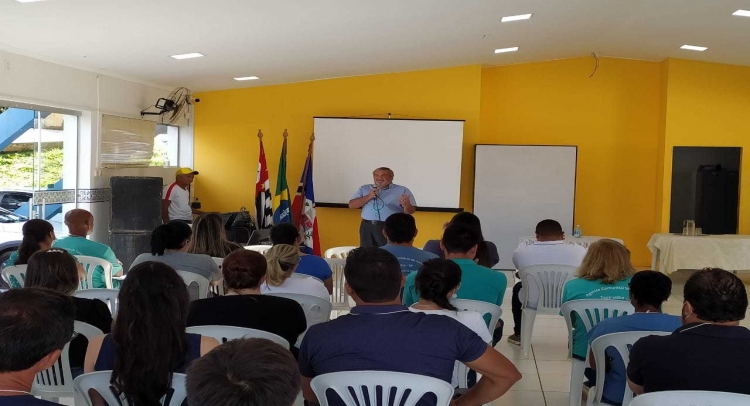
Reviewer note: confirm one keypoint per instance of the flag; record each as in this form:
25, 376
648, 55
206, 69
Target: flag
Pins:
304, 206
281, 212
263, 210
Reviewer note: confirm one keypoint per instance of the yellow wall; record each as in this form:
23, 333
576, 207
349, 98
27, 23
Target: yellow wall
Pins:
227, 122
707, 104
613, 118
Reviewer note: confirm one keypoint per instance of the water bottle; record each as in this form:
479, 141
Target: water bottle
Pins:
577, 233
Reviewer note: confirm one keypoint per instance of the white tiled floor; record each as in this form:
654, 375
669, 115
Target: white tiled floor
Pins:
546, 373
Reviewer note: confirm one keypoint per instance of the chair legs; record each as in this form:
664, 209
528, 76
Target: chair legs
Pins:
527, 328
576, 381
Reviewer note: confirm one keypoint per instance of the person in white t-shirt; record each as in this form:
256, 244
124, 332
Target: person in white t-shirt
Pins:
549, 249
282, 260
436, 282
175, 204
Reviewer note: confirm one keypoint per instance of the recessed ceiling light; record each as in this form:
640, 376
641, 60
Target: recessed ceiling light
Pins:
187, 56
693, 48
29, 1
742, 13
519, 17
247, 78
504, 50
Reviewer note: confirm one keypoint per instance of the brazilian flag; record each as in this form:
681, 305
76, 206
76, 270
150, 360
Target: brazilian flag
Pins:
282, 211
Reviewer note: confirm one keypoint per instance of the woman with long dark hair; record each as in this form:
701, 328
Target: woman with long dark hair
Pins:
210, 237
148, 341
38, 235
169, 245
437, 281
486, 255
56, 269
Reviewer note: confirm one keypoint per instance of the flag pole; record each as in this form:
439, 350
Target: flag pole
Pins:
304, 181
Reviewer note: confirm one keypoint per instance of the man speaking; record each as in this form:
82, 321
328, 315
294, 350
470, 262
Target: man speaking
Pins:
378, 201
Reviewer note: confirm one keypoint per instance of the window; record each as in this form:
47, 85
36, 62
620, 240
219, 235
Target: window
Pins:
166, 146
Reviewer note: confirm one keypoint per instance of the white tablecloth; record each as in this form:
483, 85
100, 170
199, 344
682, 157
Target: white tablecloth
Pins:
584, 241
671, 253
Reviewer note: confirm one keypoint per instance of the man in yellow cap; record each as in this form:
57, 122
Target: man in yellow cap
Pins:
175, 204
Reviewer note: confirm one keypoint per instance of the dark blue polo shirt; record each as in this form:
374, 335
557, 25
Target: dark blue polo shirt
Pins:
388, 338
695, 357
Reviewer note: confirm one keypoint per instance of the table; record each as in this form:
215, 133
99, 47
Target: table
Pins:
584, 241
672, 252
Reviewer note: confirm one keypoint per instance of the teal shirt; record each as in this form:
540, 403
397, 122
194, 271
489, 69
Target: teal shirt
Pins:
477, 283
82, 246
11, 261
580, 288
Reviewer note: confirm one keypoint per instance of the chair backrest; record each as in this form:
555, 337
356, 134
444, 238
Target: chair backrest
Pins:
218, 290
99, 381
622, 342
591, 312
89, 265
108, 296
484, 308
200, 280
15, 275
57, 380
258, 248
317, 310
225, 333
549, 281
691, 398
339, 295
357, 387
338, 252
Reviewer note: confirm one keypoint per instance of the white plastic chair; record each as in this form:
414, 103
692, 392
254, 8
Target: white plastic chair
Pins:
364, 385
548, 281
622, 342
482, 308
591, 312
202, 282
108, 296
691, 398
258, 248
15, 275
225, 333
99, 381
316, 310
338, 252
339, 298
57, 381
218, 290
89, 265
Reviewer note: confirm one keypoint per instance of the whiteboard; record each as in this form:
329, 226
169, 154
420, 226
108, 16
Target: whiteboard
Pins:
425, 156
517, 186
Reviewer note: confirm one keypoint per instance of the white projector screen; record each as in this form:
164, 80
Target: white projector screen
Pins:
517, 186
425, 156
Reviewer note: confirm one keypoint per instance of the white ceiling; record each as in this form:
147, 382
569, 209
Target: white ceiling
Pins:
288, 41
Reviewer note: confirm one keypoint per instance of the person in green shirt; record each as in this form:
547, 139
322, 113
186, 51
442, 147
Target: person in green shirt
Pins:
605, 273
80, 224
477, 282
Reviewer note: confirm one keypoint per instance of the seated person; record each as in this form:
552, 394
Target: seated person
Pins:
244, 306
437, 282
383, 335
604, 274
282, 261
38, 235
400, 231
549, 249
311, 265
486, 255
169, 245
57, 270
460, 243
648, 291
148, 341
35, 325
210, 237
247, 371
80, 224
710, 352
